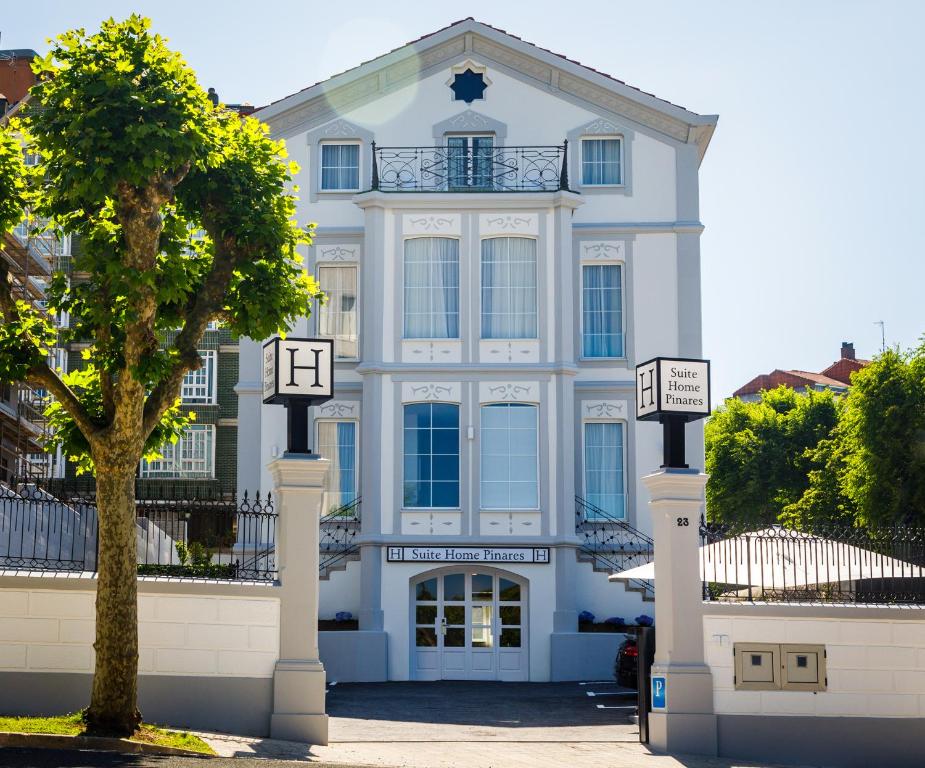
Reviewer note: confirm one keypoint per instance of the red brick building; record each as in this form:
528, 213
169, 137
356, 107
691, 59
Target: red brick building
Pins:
836, 377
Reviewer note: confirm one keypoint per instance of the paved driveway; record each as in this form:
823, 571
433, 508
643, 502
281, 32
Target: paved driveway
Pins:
469, 711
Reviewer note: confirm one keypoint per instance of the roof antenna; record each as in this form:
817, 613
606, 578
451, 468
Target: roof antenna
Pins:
882, 334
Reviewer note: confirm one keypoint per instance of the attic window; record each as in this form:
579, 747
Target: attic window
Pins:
468, 86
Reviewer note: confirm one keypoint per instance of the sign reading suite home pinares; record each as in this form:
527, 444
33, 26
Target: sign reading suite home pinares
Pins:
437, 554
672, 387
298, 369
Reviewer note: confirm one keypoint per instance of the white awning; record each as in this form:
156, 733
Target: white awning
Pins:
775, 558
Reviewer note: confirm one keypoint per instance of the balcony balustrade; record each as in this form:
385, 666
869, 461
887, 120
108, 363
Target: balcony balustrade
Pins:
475, 168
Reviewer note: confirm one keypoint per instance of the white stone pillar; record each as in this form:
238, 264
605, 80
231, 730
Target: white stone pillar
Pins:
299, 678
687, 723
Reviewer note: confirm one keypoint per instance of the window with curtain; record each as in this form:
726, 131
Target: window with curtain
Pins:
340, 167
509, 456
601, 162
338, 315
337, 442
509, 288
192, 455
431, 288
469, 160
431, 455
604, 480
602, 310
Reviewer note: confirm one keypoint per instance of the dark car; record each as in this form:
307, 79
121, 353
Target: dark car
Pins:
626, 663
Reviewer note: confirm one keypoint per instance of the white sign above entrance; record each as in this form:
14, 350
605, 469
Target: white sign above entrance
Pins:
437, 554
673, 387
298, 369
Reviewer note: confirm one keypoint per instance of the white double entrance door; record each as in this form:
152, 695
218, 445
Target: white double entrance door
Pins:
469, 625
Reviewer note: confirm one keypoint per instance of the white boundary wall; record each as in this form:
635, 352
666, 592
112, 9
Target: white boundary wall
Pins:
875, 667
53, 630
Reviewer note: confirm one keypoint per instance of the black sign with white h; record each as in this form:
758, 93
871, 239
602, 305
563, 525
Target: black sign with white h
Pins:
298, 373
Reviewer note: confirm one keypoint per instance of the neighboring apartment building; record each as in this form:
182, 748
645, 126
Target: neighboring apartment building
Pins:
836, 377
491, 288
31, 257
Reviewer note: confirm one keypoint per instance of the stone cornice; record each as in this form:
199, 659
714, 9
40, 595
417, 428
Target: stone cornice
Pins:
524, 201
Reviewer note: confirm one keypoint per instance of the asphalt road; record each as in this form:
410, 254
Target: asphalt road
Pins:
53, 758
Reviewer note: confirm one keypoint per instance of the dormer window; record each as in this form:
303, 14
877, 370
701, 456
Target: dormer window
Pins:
340, 166
602, 162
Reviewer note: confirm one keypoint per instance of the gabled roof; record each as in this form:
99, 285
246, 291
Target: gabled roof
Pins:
792, 378
472, 38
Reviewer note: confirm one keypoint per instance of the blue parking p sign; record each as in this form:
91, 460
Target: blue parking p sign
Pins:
659, 692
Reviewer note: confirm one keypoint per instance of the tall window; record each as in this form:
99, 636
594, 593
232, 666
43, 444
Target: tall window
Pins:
604, 481
431, 437
509, 456
192, 456
199, 386
469, 162
601, 162
509, 288
431, 288
337, 442
338, 315
340, 167
602, 310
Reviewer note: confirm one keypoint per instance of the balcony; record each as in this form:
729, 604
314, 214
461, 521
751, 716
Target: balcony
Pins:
467, 168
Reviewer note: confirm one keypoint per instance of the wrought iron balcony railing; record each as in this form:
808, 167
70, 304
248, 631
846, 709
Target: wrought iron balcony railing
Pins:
474, 168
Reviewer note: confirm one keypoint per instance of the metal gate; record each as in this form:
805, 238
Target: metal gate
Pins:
645, 646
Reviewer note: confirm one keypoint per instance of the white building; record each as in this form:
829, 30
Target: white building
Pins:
492, 287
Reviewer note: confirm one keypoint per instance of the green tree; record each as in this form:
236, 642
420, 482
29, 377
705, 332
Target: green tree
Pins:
878, 459
757, 453
136, 161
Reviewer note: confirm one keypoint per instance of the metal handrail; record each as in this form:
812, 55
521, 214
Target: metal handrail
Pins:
338, 533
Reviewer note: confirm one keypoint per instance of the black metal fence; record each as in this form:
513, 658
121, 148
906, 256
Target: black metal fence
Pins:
470, 169
337, 537
612, 543
217, 538
830, 564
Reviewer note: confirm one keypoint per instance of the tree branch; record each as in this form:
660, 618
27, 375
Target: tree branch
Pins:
206, 303
40, 372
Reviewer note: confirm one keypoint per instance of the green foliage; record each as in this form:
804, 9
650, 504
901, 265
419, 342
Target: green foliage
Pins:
13, 178
756, 453
114, 108
185, 213
785, 460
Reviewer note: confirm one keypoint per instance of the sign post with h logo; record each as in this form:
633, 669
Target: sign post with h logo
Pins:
298, 373
674, 391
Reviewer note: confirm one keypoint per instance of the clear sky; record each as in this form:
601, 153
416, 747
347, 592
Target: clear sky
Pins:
811, 191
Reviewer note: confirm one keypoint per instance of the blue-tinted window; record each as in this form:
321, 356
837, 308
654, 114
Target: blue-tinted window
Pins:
601, 162
602, 310
509, 456
340, 167
431, 455
604, 482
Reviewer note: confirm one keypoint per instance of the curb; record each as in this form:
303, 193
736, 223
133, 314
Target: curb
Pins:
59, 741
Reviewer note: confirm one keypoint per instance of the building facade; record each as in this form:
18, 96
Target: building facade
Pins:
503, 235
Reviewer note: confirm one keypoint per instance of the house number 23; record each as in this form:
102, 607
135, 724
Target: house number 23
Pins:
683, 522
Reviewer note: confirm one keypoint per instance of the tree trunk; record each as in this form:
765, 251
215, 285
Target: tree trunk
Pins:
114, 702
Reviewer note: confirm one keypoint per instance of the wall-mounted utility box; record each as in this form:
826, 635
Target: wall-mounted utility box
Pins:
757, 666
772, 666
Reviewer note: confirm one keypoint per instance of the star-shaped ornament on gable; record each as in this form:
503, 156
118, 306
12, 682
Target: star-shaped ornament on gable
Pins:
468, 86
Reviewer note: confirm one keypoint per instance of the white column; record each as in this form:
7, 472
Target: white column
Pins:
686, 724
299, 678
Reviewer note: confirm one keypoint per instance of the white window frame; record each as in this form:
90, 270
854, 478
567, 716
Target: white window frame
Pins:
171, 467
481, 286
210, 366
581, 161
584, 475
581, 307
341, 265
459, 456
353, 142
459, 279
539, 491
356, 452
